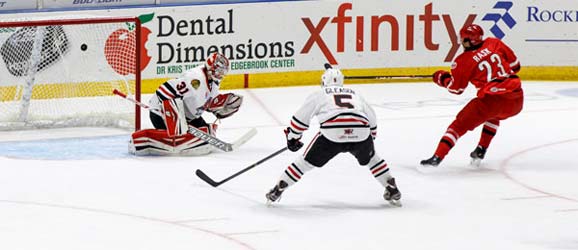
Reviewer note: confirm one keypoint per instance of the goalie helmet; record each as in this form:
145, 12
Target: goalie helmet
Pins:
332, 78
473, 33
217, 66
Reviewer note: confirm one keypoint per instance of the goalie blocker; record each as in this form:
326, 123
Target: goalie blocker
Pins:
175, 140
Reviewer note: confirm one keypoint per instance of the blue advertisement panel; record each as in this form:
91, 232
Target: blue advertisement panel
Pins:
92, 3
190, 1
17, 4
217, 1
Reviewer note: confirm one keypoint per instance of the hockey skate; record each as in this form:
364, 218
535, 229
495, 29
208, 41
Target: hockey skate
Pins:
392, 194
434, 161
275, 193
477, 156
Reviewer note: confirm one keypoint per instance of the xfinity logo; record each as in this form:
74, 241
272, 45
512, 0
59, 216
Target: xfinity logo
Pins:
355, 26
502, 16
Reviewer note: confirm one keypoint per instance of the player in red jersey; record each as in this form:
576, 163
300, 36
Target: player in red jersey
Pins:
491, 66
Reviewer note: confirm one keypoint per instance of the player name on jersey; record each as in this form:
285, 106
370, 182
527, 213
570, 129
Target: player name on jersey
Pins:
481, 54
336, 90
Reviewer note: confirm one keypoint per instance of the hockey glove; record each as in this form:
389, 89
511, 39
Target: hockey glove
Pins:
225, 105
292, 144
442, 78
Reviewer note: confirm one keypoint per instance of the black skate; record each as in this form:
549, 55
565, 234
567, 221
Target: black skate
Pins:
392, 194
275, 193
477, 156
434, 161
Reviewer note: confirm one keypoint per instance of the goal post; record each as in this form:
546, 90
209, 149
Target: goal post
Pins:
61, 72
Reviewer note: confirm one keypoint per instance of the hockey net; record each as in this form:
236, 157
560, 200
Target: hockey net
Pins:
62, 72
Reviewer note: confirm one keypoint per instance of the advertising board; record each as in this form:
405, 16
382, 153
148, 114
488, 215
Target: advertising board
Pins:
92, 3
303, 35
17, 5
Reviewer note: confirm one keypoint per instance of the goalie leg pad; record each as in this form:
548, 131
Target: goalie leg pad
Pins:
175, 120
156, 142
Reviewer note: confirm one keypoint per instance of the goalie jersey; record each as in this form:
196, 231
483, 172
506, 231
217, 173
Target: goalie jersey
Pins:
192, 86
343, 115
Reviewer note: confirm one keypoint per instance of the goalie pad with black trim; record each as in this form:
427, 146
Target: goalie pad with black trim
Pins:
158, 142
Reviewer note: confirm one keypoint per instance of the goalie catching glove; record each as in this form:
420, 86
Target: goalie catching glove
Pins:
225, 105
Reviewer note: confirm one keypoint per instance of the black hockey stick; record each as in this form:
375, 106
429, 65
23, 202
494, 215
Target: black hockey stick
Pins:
385, 77
213, 183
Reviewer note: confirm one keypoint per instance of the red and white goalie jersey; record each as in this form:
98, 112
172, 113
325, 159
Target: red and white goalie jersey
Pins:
488, 68
193, 87
343, 115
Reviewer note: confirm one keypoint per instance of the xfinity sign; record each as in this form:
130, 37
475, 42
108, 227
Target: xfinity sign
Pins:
348, 25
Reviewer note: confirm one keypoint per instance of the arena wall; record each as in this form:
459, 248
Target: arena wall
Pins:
286, 43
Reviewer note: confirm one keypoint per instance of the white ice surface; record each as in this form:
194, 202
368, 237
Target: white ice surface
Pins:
81, 192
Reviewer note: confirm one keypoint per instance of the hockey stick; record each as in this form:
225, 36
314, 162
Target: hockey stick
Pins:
387, 77
213, 141
328, 66
213, 183
220, 144
123, 95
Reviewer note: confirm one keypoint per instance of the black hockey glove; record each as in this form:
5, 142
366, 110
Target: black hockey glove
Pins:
292, 144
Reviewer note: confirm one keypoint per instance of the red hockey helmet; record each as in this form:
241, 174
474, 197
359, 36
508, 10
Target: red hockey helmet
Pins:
217, 66
473, 32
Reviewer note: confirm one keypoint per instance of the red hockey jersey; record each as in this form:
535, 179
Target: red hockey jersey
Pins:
491, 68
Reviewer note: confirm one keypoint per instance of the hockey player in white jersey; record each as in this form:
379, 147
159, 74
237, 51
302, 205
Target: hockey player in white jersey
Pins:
347, 124
179, 103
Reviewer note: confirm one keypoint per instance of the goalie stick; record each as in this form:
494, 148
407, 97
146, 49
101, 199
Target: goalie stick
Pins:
212, 140
214, 183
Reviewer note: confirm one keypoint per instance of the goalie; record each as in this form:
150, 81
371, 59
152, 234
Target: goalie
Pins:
179, 103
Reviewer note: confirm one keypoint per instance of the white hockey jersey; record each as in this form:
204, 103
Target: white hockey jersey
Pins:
343, 115
192, 86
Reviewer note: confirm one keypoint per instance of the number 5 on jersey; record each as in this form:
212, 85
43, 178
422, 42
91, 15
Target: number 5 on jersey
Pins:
343, 101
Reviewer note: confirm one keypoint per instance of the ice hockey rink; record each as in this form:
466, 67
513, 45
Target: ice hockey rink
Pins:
71, 189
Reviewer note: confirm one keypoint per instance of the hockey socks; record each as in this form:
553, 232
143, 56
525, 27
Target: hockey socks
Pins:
488, 133
447, 142
295, 171
379, 170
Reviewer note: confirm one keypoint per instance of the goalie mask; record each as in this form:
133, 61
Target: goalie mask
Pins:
217, 66
332, 78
